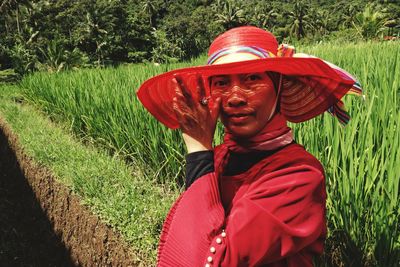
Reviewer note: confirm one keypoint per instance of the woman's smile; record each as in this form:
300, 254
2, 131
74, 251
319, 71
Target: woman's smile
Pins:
238, 116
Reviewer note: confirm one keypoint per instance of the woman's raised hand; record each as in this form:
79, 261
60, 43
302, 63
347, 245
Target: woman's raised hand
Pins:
197, 120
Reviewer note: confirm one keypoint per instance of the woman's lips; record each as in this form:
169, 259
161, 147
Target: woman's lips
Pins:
239, 117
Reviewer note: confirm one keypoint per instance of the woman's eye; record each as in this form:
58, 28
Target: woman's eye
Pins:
253, 77
220, 83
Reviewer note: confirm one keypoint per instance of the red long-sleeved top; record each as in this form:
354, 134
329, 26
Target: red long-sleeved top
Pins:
271, 215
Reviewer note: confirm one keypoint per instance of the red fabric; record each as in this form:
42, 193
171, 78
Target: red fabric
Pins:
156, 93
274, 216
275, 134
248, 35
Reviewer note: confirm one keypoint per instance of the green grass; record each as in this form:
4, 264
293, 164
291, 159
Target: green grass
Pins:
114, 118
118, 193
361, 160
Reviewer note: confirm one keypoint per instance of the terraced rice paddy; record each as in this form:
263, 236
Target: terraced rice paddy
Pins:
361, 160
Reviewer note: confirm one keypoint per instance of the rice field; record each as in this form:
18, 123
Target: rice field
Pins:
361, 160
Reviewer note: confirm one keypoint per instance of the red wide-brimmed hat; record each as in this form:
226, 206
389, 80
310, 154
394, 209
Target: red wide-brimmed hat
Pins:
310, 86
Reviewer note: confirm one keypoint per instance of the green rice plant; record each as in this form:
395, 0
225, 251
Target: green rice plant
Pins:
101, 105
360, 160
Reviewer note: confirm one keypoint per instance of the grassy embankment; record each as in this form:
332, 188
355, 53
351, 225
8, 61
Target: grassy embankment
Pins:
114, 190
361, 160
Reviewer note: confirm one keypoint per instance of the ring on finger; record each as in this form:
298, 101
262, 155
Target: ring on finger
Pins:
204, 101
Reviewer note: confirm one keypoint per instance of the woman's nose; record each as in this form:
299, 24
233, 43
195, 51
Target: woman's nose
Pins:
236, 98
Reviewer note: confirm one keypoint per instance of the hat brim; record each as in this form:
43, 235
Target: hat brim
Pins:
310, 86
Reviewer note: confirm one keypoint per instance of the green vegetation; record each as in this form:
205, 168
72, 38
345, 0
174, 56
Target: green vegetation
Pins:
361, 160
118, 193
61, 35
102, 105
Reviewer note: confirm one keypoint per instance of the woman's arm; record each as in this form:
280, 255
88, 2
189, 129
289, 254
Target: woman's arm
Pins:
282, 214
198, 164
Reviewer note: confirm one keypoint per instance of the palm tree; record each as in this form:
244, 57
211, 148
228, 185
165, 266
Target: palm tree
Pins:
349, 14
322, 21
149, 7
8, 6
263, 17
392, 15
98, 33
300, 19
229, 15
370, 22
391, 24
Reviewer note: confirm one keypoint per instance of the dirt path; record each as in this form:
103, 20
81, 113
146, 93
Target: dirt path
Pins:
26, 235
42, 223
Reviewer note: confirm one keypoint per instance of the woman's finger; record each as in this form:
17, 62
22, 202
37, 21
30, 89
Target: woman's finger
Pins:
184, 91
187, 122
201, 90
179, 95
182, 111
180, 103
177, 87
181, 100
178, 112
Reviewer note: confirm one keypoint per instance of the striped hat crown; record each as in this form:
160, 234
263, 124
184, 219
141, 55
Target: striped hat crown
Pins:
242, 43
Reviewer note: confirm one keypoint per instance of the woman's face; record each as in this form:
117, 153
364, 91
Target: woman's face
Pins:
247, 101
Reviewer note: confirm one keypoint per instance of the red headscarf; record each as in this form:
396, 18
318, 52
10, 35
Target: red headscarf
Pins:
275, 134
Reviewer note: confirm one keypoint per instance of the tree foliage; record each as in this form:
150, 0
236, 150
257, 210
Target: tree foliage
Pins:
59, 34
370, 23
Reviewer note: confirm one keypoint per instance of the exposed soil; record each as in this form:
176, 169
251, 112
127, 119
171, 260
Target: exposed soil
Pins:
42, 223
26, 235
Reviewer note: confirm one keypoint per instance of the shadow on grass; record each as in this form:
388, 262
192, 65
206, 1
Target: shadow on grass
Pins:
342, 251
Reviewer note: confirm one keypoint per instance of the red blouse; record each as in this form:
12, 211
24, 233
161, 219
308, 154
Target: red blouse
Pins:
271, 215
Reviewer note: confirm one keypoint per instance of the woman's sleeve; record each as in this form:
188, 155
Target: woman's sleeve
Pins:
198, 164
281, 214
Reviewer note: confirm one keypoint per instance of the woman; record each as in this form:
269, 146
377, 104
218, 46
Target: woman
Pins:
258, 199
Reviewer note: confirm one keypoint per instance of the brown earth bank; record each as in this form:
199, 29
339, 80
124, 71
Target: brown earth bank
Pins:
26, 235
42, 223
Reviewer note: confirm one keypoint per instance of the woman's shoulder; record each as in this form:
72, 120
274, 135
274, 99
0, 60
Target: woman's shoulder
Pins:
294, 155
